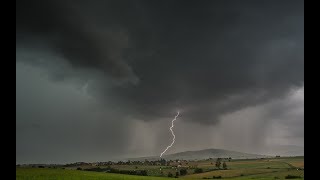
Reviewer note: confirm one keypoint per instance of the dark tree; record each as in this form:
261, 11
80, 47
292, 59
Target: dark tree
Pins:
224, 165
143, 173
218, 163
183, 172
163, 162
170, 174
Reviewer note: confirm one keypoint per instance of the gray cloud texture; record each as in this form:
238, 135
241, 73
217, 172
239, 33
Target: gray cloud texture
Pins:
144, 60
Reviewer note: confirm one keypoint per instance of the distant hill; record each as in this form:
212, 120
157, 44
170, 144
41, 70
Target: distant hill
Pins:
202, 154
284, 150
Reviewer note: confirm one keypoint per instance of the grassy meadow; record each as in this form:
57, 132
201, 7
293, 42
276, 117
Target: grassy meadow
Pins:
64, 174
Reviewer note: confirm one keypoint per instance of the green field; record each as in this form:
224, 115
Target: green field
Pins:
256, 169
276, 168
64, 174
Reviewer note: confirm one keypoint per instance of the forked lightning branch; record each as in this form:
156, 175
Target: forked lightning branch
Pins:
174, 137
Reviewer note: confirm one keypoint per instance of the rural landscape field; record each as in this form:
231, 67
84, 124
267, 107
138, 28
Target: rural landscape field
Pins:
265, 168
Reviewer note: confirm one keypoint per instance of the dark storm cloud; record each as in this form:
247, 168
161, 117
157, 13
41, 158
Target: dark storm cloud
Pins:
205, 58
72, 32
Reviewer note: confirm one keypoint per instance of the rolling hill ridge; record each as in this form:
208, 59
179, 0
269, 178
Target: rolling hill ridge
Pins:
202, 154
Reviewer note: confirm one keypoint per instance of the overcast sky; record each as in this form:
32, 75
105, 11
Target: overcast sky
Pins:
102, 80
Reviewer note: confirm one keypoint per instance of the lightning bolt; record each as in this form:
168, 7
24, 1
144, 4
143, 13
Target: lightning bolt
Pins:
174, 137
